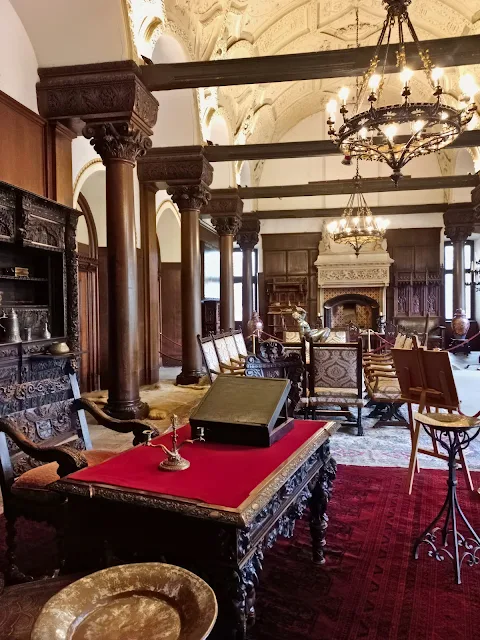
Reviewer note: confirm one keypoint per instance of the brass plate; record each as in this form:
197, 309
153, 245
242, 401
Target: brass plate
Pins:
130, 602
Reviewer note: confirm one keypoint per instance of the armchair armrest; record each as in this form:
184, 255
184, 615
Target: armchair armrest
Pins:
137, 427
69, 460
229, 367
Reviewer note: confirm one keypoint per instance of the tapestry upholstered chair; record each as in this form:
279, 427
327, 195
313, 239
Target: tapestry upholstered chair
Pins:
426, 379
335, 378
276, 361
44, 438
235, 356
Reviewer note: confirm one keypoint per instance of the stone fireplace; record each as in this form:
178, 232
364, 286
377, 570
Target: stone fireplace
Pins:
351, 288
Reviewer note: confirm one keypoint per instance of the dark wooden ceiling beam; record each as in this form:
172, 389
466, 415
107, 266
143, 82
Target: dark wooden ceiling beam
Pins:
303, 149
340, 63
337, 212
341, 187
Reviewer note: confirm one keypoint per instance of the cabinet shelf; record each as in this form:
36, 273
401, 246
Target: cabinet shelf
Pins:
23, 278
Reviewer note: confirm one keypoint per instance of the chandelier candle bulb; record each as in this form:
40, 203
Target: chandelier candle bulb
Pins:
374, 82
406, 75
343, 94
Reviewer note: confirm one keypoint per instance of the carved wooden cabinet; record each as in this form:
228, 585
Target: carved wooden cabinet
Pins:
37, 235
210, 316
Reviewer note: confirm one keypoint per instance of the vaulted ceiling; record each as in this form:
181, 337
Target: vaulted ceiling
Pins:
216, 29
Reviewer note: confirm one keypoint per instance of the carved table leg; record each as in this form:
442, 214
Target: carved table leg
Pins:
321, 494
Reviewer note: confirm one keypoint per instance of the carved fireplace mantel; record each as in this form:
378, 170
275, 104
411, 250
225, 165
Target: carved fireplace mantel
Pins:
341, 271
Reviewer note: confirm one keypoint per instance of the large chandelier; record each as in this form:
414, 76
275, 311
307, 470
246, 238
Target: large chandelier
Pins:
425, 127
357, 227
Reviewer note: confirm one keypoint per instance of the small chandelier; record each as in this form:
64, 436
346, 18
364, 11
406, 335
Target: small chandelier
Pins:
357, 226
424, 127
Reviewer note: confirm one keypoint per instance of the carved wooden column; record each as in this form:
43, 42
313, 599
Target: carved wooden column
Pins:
458, 227
151, 285
186, 174
247, 238
226, 212
118, 113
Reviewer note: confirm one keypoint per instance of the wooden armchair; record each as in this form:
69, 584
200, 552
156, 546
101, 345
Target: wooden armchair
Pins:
227, 365
211, 361
46, 438
335, 378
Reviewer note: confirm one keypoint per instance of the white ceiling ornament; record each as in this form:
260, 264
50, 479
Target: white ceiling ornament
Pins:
146, 19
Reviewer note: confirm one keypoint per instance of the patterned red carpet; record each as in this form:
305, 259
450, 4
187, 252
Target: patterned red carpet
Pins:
371, 588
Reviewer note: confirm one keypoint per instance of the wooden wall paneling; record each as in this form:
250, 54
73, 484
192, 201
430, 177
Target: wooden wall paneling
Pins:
103, 315
23, 161
151, 299
171, 338
297, 262
275, 262
291, 257
59, 165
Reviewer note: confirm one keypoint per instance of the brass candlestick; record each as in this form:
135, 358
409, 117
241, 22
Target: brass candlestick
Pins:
174, 461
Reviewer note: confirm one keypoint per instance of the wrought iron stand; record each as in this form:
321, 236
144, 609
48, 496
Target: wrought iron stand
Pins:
453, 440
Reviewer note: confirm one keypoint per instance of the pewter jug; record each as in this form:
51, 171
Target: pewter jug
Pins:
12, 328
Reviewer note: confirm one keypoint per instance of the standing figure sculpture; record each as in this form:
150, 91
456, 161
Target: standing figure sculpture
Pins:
314, 335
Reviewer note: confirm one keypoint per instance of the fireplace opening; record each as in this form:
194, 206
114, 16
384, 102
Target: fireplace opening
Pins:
355, 308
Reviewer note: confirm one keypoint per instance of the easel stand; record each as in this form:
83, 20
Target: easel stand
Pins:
444, 539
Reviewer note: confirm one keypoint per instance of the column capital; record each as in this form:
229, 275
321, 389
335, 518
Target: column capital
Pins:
247, 236
107, 102
226, 209
459, 223
184, 172
189, 196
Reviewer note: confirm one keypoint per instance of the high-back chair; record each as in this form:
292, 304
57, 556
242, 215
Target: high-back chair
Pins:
240, 342
335, 378
274, 361
223, 355
426, 378
232, 347
209, 356
44, 438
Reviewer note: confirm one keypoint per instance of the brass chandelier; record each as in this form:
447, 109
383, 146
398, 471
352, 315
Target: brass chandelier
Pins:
357, 227
424, 127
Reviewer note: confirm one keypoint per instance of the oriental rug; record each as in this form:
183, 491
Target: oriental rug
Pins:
369, 589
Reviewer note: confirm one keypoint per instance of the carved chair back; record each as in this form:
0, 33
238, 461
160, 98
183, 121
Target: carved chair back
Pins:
210, 357
336, 366
240, 342
353, 332
390, 332
43, 413
274, 361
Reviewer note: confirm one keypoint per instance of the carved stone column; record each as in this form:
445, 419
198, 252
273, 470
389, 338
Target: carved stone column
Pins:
186, 174
226, 212
459, 224
247, 238
118, 114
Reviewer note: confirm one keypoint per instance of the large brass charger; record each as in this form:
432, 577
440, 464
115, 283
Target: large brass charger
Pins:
130, 602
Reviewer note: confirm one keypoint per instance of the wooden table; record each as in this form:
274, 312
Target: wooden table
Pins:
223, 544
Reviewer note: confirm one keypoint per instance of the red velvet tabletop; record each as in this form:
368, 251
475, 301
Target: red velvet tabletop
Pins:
220, 474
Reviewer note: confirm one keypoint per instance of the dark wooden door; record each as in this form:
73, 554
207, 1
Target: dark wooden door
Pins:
88, 320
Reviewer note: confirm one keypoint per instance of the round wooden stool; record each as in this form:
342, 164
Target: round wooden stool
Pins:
453, 433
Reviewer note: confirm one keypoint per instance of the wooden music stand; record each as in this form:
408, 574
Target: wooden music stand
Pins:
426, 379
